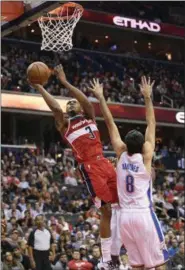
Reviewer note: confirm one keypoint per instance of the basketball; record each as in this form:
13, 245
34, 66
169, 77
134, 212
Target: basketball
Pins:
38, 73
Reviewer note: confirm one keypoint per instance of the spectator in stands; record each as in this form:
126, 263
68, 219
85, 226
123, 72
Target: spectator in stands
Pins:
13, 212
71, 180
82, 228
14, 238
84, 253
174, 248
13, 225
22, 258
61, 264
5, 245
96, 256
178, 260
62, 224
124, 263
118, 88
22, 204
69, 251
23, 247
10, 263
79, 240
77, 264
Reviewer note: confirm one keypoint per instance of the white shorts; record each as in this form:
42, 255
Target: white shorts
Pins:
115, 231
143, 238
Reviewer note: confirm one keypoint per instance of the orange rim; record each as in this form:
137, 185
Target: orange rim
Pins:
56, 12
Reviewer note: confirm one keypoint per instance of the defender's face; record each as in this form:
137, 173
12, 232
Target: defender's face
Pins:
73, 107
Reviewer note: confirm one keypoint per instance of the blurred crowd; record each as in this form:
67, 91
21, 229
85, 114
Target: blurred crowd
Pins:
171, 12
34, 184
119, 75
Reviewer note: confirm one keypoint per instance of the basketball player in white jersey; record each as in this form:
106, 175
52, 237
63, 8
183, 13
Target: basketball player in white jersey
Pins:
139, 227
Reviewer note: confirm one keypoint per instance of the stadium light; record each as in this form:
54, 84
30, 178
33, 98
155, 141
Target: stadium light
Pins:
169, 56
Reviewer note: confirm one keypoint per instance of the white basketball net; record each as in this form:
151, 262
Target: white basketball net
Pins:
57, 30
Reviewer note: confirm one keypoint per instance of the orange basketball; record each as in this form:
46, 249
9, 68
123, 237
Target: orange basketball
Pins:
38, 73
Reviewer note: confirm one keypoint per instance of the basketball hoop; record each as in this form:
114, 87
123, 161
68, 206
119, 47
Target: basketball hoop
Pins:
57, 27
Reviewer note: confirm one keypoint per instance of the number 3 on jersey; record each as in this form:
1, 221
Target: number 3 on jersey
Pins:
129, 183
92, 136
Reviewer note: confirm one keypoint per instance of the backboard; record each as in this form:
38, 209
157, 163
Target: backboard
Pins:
16, 14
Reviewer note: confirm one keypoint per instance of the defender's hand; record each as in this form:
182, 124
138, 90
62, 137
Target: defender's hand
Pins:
59, 72
146, 87
96, 88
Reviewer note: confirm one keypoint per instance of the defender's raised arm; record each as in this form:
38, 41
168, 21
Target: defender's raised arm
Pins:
146, 89
76, 93
117, 143
149, 145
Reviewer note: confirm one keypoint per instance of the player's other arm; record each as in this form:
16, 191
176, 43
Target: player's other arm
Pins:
118, 145
76, 93
53, 105
149, 146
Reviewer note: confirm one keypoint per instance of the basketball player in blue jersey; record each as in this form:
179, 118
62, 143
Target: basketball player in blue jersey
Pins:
140, 230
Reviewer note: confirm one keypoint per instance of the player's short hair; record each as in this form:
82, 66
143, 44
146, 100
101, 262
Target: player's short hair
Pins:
134, 141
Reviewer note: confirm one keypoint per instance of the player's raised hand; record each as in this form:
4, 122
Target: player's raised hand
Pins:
59, 72
146, 86
34, 85
96, 88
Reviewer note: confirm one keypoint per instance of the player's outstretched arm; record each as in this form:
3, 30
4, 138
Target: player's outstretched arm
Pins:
117, 143
146, 89
76, 93
53, 105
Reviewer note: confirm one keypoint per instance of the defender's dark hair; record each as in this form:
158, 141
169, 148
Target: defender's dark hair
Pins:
134, 141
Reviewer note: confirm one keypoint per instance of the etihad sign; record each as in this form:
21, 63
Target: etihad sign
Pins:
180, 117
136, 24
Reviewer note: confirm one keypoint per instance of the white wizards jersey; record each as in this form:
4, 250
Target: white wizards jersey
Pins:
134, 182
